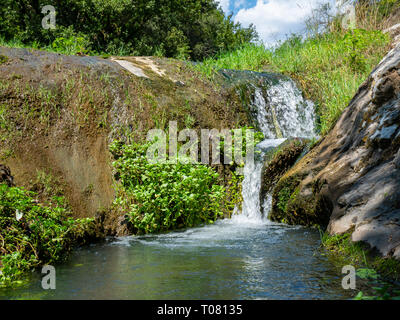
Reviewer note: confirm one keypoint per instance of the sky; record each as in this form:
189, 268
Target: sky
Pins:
274, 19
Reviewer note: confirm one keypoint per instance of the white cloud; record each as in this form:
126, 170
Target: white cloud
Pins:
239, 3
274, 19
224, 4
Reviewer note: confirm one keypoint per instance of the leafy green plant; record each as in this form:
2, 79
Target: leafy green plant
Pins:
32, 235
356, 43
378, 274
163, 196
283, 198
71, 45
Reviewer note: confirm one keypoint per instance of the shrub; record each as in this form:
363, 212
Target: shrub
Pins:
195, 29
164, 196
32, 235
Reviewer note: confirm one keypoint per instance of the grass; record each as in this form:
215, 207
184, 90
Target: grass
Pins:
348, 252
33, 234
328, 67
377, 277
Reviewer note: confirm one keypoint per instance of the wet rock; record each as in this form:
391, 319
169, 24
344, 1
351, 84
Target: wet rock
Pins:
5, 175
350, 182
279, 161
396, 160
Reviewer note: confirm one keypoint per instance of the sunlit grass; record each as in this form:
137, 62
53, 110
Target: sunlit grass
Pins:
328, 67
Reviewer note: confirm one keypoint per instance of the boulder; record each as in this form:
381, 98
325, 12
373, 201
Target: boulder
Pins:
350, 182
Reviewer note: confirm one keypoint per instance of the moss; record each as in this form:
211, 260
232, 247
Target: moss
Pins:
289, 204
283, 198
3, 59
281, 161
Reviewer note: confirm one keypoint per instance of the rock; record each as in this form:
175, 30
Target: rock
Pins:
279, 162
179, 83
396, 160
5, 176
350, 182
118, 105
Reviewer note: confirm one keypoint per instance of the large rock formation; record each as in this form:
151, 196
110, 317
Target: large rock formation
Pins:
350, 182
60, 113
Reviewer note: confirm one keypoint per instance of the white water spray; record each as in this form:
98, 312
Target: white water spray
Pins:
281, 113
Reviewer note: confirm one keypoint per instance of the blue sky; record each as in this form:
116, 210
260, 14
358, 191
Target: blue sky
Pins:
274, 19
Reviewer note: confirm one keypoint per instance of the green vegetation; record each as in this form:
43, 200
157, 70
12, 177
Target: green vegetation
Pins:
239, 148
329, 67
178, 28
163, 196
3, 59
380, 273
33, 234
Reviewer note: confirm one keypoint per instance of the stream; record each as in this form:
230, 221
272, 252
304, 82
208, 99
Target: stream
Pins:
246, 257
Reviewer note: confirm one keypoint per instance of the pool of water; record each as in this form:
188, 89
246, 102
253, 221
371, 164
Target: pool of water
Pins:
233, 259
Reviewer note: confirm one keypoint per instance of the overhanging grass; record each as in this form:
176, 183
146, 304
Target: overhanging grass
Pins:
328, 67
346, 252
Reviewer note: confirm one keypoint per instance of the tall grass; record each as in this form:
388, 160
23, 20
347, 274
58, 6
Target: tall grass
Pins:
328, 67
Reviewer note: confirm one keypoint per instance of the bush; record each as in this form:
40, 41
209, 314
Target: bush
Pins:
164, 196
189, 29
32, 234
68, 41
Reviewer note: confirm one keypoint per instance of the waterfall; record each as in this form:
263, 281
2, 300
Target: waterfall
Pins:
281, 112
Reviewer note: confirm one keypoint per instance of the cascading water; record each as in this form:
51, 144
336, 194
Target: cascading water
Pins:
281, 112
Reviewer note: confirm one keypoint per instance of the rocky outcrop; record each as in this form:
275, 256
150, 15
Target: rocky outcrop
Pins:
5, 176
60, 113
350, 182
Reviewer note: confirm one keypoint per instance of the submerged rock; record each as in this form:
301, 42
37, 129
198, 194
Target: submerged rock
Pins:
350, 182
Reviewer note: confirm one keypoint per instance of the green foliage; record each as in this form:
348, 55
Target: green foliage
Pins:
3, 59
69, 42
175, 28
234, 198
380, 274
356, 42
32, 235
381, 289
283, 198
159, 197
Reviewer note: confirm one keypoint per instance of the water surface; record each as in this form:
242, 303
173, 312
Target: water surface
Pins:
233, 259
